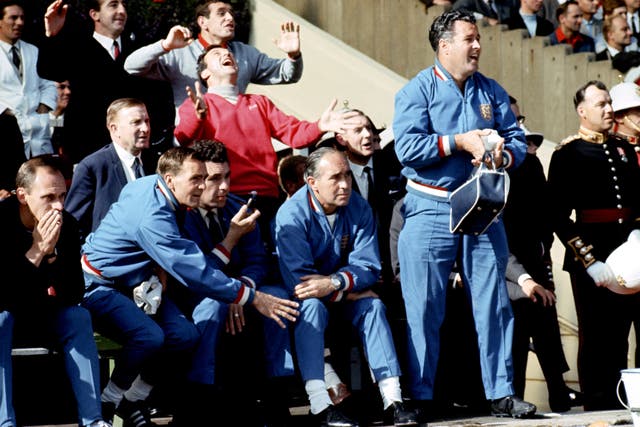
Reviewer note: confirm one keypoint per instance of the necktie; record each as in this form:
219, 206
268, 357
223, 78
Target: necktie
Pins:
371, 193
137, 168
15, 57
215, 230
116, 49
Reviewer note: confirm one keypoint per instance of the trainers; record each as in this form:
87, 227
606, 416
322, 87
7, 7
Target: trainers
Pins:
333, 417
512, 406
399, 415
134, 414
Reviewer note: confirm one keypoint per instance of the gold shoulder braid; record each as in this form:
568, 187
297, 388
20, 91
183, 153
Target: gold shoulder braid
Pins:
567, 140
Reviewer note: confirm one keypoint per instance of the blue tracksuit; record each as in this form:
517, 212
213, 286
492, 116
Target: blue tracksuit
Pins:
249, 263
142, 230
307, 244
429, 111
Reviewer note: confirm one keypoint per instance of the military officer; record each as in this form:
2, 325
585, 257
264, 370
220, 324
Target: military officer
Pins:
595, 174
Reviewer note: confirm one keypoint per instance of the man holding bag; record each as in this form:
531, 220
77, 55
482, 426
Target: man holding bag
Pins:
441, 117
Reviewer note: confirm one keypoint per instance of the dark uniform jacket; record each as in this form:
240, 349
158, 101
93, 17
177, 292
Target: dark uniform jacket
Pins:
599, 177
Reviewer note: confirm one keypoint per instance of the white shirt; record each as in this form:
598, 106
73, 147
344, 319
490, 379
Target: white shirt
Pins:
127, 160
107, 43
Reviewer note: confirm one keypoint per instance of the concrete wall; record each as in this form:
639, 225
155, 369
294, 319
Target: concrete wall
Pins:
394, 32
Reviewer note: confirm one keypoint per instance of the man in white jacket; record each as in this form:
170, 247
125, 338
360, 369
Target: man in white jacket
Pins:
29, 97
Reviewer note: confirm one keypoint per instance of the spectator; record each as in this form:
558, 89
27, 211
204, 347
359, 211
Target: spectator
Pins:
569, 16
291, 173
591, 24
22, 90
225, 227
327, 250
613, 7
141, 236
492, 11
617, 37
526, 17
246, 124
625, 101
530, 278
94, 66
56, 126
41, 249
175, 59
438, 141
633, 18
606, 202
99, 177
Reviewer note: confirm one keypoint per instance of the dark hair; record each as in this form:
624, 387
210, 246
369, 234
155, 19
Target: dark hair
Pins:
288, 169
609, 5
172, 160
442, 26
311, 166
6, 3
27, 171
203, 8
579, 96
211, 150
512, 100
202, 65
562, 9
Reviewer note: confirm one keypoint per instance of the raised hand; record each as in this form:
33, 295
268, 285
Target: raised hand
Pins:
336, 121
177, 38
55, 17
289, 41
197, 99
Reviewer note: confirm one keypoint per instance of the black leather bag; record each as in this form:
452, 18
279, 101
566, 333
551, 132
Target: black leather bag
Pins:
479, 201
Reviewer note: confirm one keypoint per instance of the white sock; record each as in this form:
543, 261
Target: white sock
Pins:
318, 396
331, 379
390, 391
139, 390
112, 393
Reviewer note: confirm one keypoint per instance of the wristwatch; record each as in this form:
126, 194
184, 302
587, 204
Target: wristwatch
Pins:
335, 282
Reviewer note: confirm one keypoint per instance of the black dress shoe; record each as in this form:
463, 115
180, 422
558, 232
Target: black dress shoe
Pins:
399, 415
333, 417
576, 398
512, 406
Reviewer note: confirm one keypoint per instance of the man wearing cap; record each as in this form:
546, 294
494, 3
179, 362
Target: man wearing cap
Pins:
596, 175
625, 100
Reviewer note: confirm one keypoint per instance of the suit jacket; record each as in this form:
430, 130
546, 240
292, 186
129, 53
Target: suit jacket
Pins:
389, 187
96, 80
543, 27
96, 185
23, 98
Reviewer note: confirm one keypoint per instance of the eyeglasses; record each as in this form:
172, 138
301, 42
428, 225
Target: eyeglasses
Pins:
520, 119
